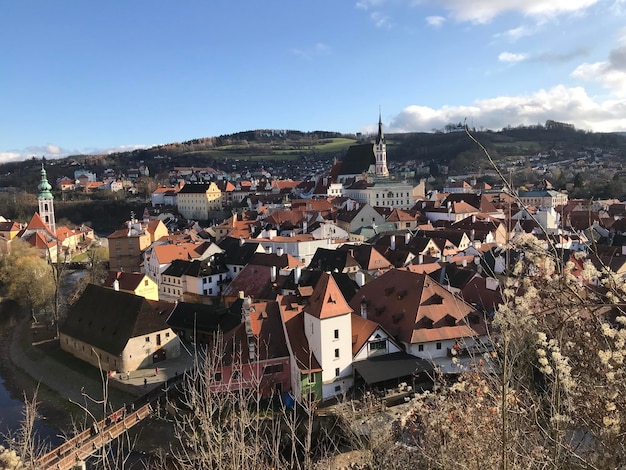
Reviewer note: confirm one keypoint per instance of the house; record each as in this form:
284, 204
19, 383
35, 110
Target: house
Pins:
320, 341
428, 320
118, 331
257, 282
201, 323
8, 231
159, 256
361, 216
255, 353
238, 253
196, 200
133, 283
127, 245
193, 280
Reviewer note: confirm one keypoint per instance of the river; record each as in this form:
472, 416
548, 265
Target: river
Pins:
11, 400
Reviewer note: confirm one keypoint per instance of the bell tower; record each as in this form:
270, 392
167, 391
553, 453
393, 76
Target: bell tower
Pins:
380, 150
46, 201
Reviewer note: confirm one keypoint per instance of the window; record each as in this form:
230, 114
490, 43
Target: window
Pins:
145, 283
337, 371
420, 347
438, 345
273, 369
338, 388
236, 374
217, 376
378, 345
311, 378
147, 339
336, 334
337, 353
167, 335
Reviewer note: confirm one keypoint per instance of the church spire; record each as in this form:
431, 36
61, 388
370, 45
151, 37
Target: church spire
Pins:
380, 150
380, 137
46, 201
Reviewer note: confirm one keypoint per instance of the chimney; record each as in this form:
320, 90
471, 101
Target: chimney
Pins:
305, 227
241, 241
392, 242
116, 285
273, 275
364, 308
464, 263
280, 251
360, 278
242, 294
407, 238
473, 219
268, 250
491, 283
297, 272
420, 259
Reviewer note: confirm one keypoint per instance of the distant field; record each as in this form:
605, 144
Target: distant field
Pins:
249, 152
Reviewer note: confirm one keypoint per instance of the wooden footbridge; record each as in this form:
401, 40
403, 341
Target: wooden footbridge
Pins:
77, 449
81, 446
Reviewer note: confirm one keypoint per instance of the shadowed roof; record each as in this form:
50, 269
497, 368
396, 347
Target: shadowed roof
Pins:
107, 319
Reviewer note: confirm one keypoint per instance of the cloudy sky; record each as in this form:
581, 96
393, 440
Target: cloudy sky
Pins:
91, 77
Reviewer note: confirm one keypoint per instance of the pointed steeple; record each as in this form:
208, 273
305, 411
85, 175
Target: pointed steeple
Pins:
380, 150
46, 201
380, 138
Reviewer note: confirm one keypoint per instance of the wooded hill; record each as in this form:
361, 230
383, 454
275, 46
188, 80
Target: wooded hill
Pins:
256, 148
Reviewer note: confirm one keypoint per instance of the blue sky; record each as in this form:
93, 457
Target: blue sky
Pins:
97, 76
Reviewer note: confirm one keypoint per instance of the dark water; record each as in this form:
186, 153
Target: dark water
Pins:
12, 405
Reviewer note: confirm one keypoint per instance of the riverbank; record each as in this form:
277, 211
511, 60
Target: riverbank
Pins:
31, 359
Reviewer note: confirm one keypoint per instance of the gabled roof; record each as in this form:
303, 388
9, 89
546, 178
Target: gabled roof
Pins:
331, 260
416, 309
358, 159
236, 253
327, 300
165, 254
362, 329
127, 281
205, 318
367, 256
106, 319
254, 281
272, 259
309, 278
37, 223
293, 319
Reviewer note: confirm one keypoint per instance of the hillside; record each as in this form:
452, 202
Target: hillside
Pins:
294, 150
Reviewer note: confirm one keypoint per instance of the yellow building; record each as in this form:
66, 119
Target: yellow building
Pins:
126, 246
196, 200
133, 283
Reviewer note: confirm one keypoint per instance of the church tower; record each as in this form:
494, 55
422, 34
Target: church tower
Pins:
380, 150
46, 202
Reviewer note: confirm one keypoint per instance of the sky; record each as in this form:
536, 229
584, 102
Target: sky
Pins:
99, 76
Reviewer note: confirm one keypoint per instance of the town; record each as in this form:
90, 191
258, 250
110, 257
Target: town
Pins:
359, 283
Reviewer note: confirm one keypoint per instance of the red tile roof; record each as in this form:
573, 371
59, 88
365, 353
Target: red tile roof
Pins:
327, 300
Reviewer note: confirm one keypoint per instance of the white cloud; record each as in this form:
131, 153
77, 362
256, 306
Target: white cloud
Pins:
380, 20
51, 151
511, 57
483, 11
559, 103
435, 21
611, 74
367, 4
515, 34
316, 50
